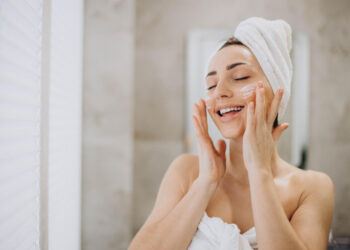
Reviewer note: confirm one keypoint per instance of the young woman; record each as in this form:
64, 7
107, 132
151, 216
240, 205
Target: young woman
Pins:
252, 188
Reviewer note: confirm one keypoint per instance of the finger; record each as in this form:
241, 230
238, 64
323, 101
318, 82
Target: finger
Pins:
204, 113
221, 148
202, 134
202, 121
250, 118
273, 110
276, 133
260, 105
197, 127
198, 115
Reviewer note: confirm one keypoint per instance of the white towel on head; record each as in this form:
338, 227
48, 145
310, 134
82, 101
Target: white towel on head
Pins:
271, 43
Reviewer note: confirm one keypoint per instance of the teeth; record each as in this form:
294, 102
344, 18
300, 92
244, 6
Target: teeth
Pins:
223, 111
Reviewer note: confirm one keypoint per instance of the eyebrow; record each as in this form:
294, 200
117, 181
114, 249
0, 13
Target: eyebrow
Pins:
228, 67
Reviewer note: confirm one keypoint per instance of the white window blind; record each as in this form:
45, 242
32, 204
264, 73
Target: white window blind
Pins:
40, 97
65, 125
20, 81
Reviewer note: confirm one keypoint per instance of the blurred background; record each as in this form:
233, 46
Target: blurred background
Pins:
95, 100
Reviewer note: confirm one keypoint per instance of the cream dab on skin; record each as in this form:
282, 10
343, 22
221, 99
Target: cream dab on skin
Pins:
246, 92
207, 98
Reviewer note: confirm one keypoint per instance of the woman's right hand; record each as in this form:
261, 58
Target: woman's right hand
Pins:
212, 161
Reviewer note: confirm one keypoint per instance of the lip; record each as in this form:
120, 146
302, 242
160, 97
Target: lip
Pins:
229, 117
225, 106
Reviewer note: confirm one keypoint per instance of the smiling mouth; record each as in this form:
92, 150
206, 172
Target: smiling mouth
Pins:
230, 111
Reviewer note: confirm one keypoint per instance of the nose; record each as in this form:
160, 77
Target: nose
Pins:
222, 90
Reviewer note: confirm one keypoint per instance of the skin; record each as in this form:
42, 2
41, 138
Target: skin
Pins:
227, 91
251, 186
255, 186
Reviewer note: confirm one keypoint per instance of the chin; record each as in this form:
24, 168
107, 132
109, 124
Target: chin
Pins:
233, 133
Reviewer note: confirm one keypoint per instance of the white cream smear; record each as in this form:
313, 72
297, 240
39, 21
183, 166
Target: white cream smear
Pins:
207, 98
246, 92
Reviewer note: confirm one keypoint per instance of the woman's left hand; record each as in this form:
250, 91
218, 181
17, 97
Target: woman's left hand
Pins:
260, 139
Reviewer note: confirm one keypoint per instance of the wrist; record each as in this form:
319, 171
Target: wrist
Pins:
206, 184
258, 172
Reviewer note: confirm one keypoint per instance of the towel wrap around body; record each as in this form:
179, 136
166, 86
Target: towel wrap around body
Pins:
215, 234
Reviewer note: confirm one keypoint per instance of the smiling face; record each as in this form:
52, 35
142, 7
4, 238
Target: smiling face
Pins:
232, 68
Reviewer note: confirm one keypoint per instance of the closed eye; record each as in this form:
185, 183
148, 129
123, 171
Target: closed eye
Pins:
242, 78
211, 87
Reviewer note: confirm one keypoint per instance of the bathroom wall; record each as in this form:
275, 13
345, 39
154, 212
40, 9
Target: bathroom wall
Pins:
160, 33
134, 94
107, 124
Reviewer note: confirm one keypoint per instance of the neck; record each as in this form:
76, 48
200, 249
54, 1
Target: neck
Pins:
235, 168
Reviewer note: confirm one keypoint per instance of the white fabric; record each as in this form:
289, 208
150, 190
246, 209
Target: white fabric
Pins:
271, 43
215, 234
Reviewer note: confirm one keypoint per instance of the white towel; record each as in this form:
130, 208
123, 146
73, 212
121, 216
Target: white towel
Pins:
215, 234
271, 43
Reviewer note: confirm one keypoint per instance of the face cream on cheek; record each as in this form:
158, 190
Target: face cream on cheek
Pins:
208, 102
248, 91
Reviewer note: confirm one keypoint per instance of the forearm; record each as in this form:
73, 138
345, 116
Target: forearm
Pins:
273, 228
176, 230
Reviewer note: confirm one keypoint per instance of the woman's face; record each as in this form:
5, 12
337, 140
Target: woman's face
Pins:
231, 69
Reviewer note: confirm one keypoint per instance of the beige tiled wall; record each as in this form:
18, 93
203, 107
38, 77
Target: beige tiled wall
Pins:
160, 33
134, 94
108, 125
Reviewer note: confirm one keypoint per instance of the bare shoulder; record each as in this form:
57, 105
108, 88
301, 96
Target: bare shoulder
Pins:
313, 216
173, 187
318, 183
313, 178
311, 182
187, 166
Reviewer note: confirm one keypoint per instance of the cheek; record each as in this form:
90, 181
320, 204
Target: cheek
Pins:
249, 98
248, 92
209, 102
